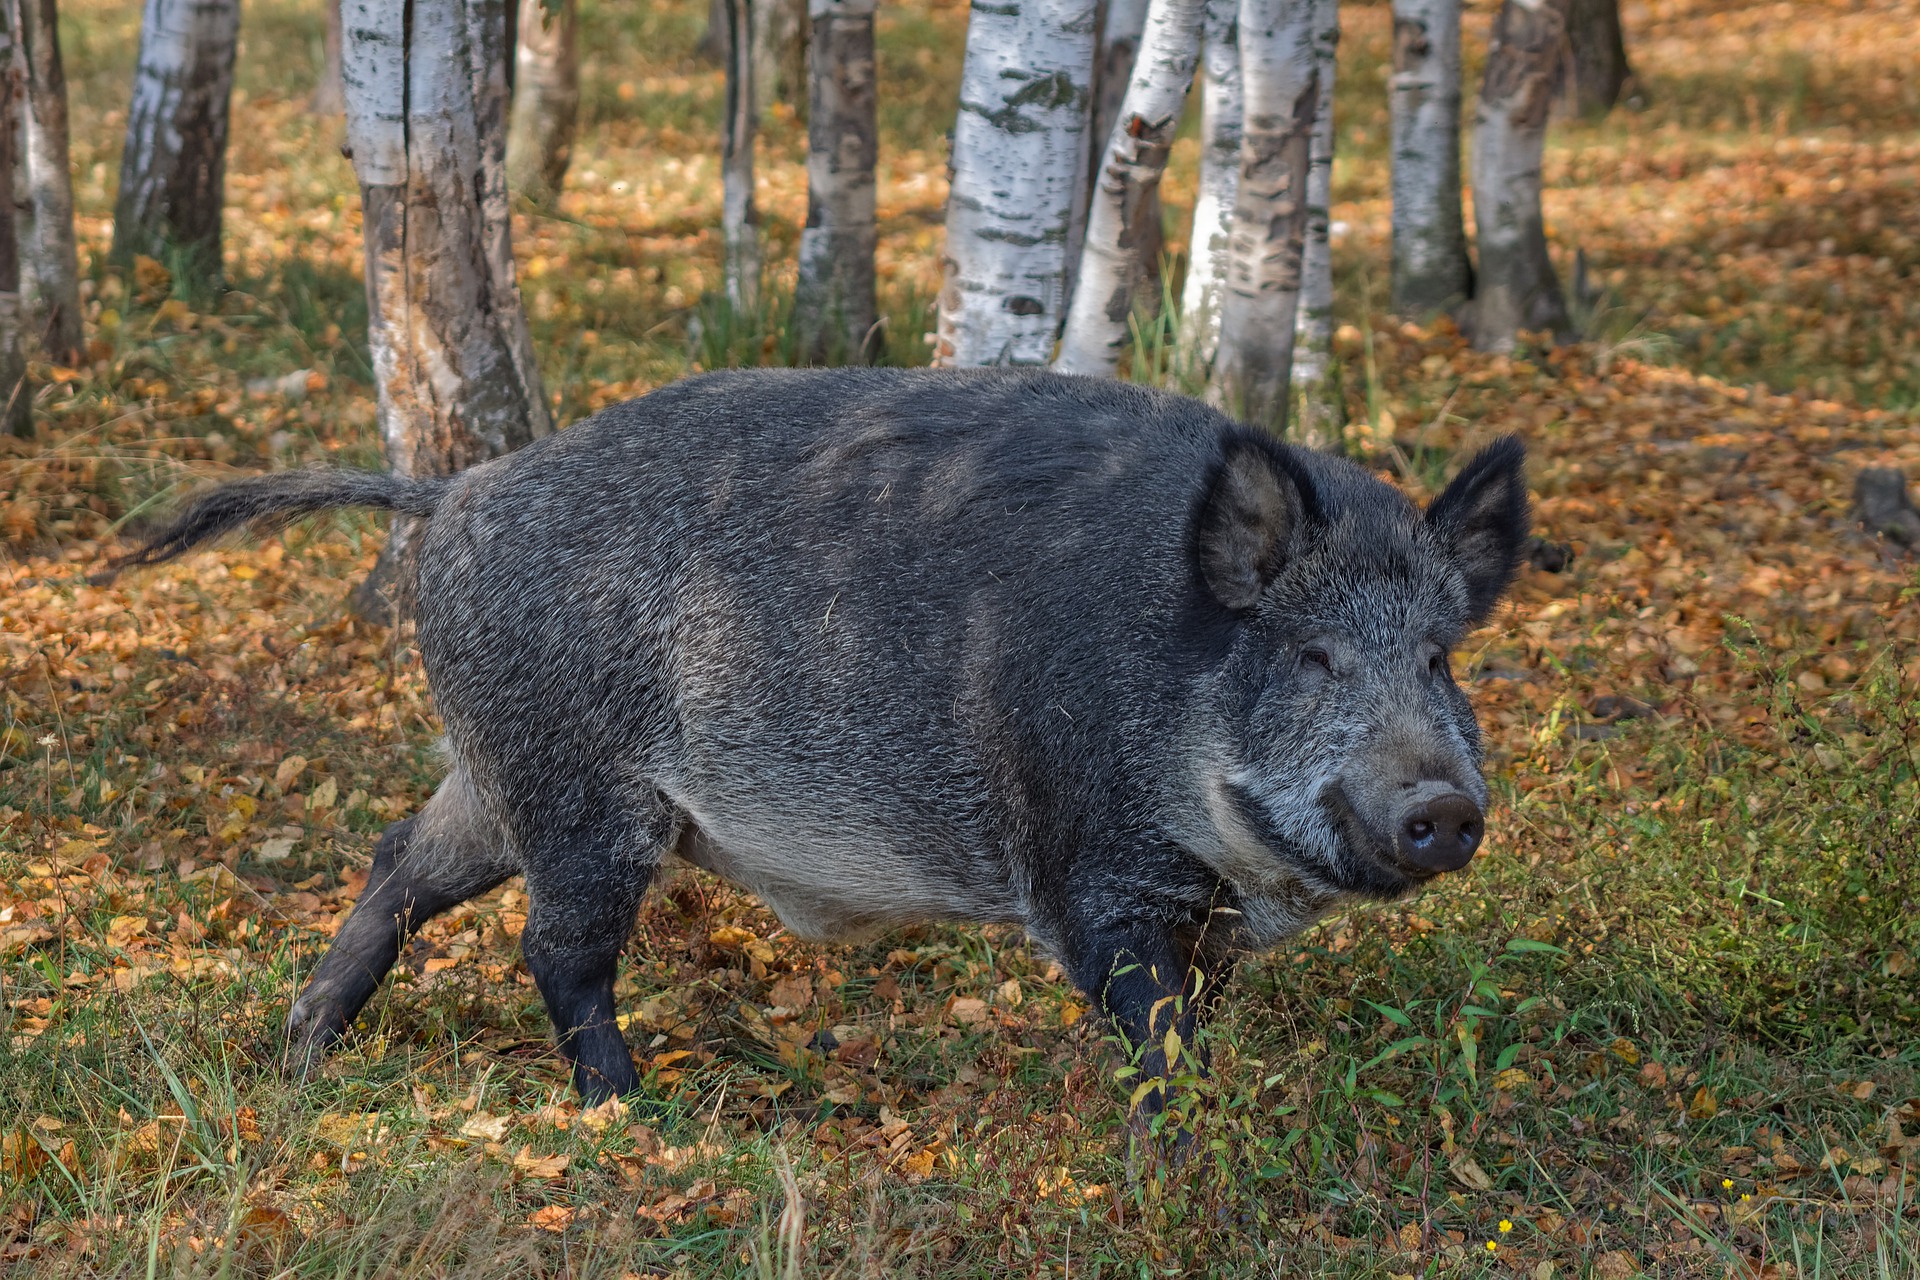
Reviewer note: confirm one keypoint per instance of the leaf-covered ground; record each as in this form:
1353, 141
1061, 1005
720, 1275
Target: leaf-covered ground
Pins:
1665, 1024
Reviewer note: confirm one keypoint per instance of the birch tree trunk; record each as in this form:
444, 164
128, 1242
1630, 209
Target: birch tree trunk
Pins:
16, 396
490, 46
329, 98
1111, 266
546, 99
439, 325
1018, 160
49, 261
1122, 23
1516, 288
833, 301
173, 171
1220, 130
1281, 83
1431, 271
739, 216
1321, 410
1600, 69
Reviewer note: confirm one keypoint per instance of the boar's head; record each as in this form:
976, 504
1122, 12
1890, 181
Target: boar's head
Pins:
1338, 755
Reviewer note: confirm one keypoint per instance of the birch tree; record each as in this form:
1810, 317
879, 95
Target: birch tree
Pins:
452, 391
1319, 392
834, 299
1431, 271
50, 264
1122, 203
739, 215
1018, 160
546, 98
1122, 23
1516, 287
16, 397
173, 169
1220, 130
1280, 81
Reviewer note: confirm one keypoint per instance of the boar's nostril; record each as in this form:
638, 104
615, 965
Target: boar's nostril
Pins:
1441, 833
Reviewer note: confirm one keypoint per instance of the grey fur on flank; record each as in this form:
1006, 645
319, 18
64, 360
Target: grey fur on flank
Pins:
894, 646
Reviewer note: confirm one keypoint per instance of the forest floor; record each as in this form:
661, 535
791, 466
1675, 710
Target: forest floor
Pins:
1666, 1024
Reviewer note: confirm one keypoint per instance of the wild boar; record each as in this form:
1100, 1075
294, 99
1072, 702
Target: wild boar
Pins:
894, 646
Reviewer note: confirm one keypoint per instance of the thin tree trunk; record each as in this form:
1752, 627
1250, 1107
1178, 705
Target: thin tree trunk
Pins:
1321, 410
329, 99
1122, 24
1517, 287
1220, 131
16, 396
173, 171
739, 216
1431, 271
834, 302
780, 52
439, 326
490, 51
1018, 161
1135, 156
51, 266
1600, 70
546, 99
1281, 81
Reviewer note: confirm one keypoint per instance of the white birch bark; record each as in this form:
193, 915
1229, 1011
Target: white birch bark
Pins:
173, 169
1221, 124
1430, 270
16, 396
440, 325
1517, 287
49, 261
1135, 156
739, 215
1120, 24
1280, 80
1319, 392
834, 308
546, 98
1018, 160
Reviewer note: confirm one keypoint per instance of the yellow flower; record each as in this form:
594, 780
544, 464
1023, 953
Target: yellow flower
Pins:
1505, 1226
1492, 1247
1744, 1196
1727, 1183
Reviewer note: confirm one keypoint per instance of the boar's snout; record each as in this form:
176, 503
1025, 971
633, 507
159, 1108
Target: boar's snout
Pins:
1439, 828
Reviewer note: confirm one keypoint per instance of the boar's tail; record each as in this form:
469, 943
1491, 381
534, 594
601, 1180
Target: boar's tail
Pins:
271, 502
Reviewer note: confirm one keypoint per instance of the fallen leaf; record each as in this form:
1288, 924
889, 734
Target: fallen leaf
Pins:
553, 1217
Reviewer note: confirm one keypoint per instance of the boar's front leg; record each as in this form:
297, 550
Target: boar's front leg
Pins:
584, 885
1148, 980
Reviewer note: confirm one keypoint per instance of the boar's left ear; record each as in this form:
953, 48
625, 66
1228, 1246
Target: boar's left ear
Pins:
1254, 508
1482, 520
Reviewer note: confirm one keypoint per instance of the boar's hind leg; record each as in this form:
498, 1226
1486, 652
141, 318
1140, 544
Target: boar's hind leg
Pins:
584, 885
440, 857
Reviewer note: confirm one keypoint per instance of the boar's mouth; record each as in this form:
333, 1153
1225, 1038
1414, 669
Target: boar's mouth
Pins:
1372, 866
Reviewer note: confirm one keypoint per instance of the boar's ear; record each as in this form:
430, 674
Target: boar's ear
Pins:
1482, 520
1253, 509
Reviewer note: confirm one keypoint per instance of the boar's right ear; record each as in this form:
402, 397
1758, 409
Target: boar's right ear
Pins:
1252, 511
1482, 519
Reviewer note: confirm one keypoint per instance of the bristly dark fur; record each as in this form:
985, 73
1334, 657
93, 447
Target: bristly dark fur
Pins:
268, 503
888, 646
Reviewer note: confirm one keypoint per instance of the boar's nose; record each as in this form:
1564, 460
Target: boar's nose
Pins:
1441, 832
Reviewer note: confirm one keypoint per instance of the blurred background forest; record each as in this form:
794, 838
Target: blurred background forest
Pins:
1666, 1025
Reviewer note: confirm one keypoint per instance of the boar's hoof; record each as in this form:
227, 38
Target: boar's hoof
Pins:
1441, 833
313, 1027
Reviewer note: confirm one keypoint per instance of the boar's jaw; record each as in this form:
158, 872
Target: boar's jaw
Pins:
1248, 849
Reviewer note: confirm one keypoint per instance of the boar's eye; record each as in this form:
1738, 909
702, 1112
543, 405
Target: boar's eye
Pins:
1315, 656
